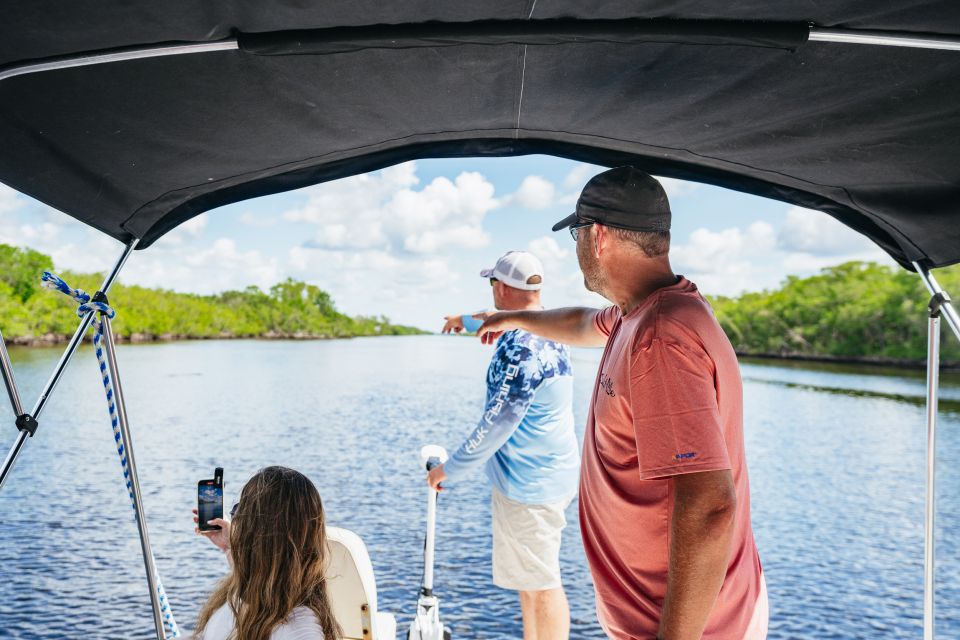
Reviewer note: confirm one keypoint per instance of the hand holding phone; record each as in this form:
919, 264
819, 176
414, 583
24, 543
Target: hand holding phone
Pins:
210, 501
221, 538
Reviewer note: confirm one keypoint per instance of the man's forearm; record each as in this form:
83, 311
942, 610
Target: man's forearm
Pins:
569, 325
700, 538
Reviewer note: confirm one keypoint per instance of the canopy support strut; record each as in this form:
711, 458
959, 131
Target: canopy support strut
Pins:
6, 369
939, 305
7, 373
933, 388
148, 561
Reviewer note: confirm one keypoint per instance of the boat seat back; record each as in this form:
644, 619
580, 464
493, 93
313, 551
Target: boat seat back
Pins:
353, 590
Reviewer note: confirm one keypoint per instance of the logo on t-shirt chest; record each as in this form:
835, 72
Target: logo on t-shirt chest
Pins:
606, 383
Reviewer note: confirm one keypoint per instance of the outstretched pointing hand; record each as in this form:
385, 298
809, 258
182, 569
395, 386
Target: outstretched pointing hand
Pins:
452, 324
495, 324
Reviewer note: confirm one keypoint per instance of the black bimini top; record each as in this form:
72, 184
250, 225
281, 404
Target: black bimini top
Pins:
737, 94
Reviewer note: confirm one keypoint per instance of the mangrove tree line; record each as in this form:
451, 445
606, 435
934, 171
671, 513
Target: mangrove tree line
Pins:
857, 310
30, 313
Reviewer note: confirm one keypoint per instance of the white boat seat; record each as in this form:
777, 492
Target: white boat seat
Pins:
353, 589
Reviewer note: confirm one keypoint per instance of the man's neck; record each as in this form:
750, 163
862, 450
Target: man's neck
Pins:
635, 282
532, 304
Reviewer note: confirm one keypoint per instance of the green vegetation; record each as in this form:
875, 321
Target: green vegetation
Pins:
290, 309
857, 310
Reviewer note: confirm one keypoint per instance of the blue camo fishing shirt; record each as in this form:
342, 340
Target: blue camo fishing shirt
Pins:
525, 435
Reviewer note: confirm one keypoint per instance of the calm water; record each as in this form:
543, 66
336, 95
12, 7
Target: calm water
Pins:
836, 462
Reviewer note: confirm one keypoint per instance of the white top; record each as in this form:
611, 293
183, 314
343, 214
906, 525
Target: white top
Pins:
301, 625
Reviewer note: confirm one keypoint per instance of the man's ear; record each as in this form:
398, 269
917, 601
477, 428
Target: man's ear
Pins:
599, 238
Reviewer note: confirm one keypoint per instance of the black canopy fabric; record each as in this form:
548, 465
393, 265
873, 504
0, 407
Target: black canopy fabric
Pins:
730, 94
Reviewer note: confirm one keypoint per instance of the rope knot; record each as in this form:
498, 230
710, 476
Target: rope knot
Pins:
56, 283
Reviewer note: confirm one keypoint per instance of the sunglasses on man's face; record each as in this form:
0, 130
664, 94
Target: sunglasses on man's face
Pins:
492, 280
576, 226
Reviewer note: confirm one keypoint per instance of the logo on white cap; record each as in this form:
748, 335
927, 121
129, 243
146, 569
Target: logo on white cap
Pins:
515, 269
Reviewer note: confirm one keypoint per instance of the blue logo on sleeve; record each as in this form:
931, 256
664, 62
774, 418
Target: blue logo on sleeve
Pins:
685, 456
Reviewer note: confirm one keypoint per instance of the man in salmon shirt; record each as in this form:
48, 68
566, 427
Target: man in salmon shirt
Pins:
664, 494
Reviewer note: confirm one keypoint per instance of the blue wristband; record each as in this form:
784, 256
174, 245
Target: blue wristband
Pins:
470, 323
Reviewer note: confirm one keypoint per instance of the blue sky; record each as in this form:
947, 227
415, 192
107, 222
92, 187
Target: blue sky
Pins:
409, 241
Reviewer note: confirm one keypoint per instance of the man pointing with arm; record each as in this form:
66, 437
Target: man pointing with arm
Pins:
526, 444
664, 494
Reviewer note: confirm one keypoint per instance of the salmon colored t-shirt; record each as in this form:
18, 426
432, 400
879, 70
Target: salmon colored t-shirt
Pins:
668, 400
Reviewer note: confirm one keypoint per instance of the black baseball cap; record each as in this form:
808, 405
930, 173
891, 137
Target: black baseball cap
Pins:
624, 197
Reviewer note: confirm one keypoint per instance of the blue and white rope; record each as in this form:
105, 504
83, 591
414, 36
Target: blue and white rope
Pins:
51, 281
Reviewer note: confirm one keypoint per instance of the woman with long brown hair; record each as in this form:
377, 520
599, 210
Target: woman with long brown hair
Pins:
277, 548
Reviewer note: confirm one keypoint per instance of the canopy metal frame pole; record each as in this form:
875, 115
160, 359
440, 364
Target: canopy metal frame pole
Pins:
940, 305
91, 58
6, 369
124, 425
133, 53
933, 389
884, 38
27, 422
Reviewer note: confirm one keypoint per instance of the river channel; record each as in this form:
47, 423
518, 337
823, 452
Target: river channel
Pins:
836, 458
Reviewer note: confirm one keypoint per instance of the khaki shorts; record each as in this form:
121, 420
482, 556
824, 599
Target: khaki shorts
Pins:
526, 543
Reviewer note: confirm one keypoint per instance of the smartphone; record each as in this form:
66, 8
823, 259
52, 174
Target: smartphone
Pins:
209, 503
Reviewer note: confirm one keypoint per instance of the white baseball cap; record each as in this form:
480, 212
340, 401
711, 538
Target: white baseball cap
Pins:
515, 269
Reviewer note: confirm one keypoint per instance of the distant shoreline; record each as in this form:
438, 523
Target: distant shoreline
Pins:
53, 340
896, 363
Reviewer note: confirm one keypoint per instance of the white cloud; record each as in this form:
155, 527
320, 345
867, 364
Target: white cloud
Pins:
374, 281
319, 261
10, 199
29, 226
43, 233
70, 245
718, 250
216, 267
579, 175
813, 241
734, 260
563, 281
555, 259
816, 233
724, 262
677, 188
534, 193
381, 245
800, 263
253, 220
195, 226
546, 248
575, 180
383, 211
184, 234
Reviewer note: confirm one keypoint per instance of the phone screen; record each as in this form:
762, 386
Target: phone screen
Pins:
209, 503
